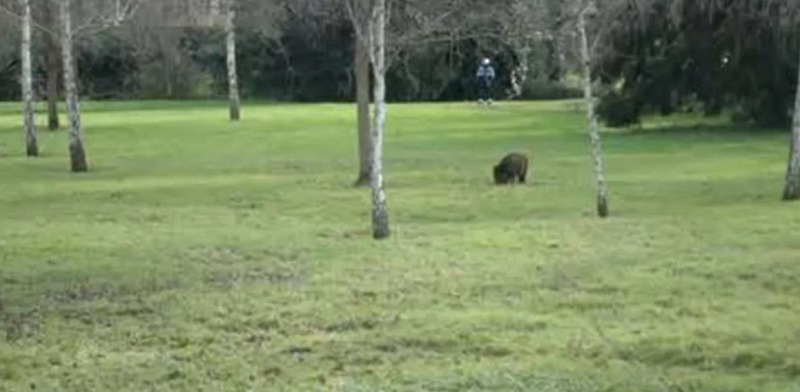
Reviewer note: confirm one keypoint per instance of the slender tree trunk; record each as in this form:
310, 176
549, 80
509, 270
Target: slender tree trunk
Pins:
380, 213
31, 146
52, 89
560, 58
362, 103
233, 82
77, 153
792, 189
53, 69
594, 134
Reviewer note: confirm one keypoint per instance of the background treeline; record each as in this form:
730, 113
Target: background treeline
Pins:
305, 62
703, 56
708, 56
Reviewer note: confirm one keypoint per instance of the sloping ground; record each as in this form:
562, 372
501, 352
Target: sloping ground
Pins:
199, 255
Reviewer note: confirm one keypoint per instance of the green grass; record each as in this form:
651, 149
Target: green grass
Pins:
200, 255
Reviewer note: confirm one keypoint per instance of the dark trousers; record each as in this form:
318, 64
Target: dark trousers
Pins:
484, 90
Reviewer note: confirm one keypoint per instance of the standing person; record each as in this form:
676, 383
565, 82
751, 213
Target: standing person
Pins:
485, 76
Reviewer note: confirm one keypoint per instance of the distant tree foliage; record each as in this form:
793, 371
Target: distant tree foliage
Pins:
731, 54
9, 59
307, 57
661, 56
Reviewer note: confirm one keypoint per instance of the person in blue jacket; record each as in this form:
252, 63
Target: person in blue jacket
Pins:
485, 76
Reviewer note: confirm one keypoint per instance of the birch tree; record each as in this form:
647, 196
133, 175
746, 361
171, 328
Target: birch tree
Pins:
263, 16
369, 22
791, 190
234, 103
591, 22
31, 145
370, 19
24, 15
790, 16
96, 16
229, 27
77, 151
377, 41
587, 10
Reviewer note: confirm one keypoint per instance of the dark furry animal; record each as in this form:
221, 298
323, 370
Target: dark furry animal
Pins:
513, 167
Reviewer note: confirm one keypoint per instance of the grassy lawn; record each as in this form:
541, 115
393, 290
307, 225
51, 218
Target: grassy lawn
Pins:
203, 256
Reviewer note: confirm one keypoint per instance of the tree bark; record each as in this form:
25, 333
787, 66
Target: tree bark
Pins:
601, 188
380, 214
53, 122
792, 189
53, 69
362, 103
77, 153
233, 83
31, 145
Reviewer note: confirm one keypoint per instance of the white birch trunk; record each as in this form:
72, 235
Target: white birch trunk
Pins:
594, 135
77, 153
362, 103
380, 214
31, 146
234, 103
792, 189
